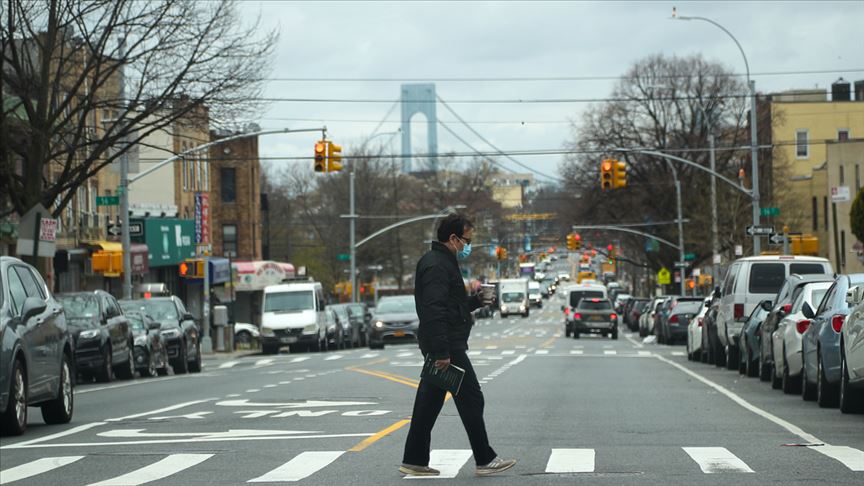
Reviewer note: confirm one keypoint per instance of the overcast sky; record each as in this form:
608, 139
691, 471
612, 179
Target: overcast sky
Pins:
433, 40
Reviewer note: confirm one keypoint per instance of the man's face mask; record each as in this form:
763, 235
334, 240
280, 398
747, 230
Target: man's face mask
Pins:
465, 252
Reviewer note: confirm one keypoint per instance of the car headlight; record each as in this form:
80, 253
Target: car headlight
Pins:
140, 340
267, 332
89, 334
331, 328
522, 307
379, 324
503, 308
171, 333
310, 328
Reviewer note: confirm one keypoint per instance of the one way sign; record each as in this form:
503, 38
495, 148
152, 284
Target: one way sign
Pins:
760, 230
777, 239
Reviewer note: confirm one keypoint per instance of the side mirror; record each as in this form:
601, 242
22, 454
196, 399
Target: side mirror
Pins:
154, 326
766, 305
188, 317
808, 311
32, 306
855, 295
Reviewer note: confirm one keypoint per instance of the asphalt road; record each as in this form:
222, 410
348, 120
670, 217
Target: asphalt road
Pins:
591, 410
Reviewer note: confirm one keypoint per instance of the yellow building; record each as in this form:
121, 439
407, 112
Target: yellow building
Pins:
845, 161
803, 123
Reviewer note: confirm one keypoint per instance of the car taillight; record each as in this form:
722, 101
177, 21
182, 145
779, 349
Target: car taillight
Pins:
802, 325
739, 311
837, 322
699, 321
787, 308
674, 319
577, 316
566, 311
613, 316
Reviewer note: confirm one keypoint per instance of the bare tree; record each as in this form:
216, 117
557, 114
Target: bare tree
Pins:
84, 81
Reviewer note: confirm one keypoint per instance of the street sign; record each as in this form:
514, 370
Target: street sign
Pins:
37, 233
777, 239
107, 200
664, 277
343, 257
760, 230
681, 264
135, 229
115, 229
840, 194
689, 257
770, 211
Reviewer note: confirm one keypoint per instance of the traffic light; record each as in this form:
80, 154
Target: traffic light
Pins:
334, 159
571, 241
606, 176
578, 241
501, 253
619, 174
192, 268
321, 156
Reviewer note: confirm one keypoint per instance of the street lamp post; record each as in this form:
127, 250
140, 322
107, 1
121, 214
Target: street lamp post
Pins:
754, 154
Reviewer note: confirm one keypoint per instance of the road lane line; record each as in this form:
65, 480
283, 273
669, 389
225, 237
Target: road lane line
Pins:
548, 343
508, 352
172, 464
610, 352
300, 467
264, 362
448, 461
35, 468
570, 461
73, 430
299, 359
851, 458
542, 351
166, 409
379, 435
334, 357
576, 351
386, 377
794, 429
635, 343
228, 364
717, 460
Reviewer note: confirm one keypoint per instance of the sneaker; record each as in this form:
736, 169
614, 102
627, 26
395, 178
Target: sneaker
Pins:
496, 466
411, 470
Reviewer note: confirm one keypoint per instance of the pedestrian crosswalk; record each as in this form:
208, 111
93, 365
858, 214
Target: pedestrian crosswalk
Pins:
451, 462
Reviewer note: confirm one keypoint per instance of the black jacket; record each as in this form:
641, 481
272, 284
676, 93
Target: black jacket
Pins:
442, 303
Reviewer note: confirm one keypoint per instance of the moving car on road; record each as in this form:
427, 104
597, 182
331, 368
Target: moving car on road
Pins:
178, 329
595, 315
151, 353
513, 296
293, 316
103, 339
573, 295
535, 297
36, 350
395, 319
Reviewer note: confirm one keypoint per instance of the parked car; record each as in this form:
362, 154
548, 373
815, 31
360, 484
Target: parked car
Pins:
395, 320
646, 320
36, 350
820, 343
151, 353
620, 300
709, 335
595, 315
104, 344
751, 339
361, 312
792, 286
748, 282
694, 331
337, 335
670, 326
786, 339
632, 313
352, 323
246, 335
852, 355
178, 329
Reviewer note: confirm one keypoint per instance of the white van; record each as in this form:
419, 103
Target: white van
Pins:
293, 315
751, 280
534, 296
513, 296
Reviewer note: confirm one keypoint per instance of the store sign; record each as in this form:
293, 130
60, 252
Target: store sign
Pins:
170, 240
840, 194
202, 218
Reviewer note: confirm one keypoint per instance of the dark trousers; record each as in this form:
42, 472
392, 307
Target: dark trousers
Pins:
427, 406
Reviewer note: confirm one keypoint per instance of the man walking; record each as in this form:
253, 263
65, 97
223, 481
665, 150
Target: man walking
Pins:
445, 309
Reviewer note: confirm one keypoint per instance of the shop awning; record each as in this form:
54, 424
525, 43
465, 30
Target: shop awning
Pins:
108, 258
250, 276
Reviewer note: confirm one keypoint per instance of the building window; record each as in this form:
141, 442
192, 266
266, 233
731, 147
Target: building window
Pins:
228, 184
842, 175
229, 240
843, 134
802, 150
815, 214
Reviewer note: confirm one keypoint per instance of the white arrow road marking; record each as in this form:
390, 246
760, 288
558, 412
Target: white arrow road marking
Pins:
134, 433
570, 461
162, 469
305, 404
45, 438
717, 460
300, 467
333, 357
300, 359
851, 458
264, 362
193, 416
369, 355
36, 467
448, 461
161, 410
229, 364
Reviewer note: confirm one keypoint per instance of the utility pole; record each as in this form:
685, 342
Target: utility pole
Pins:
754, 157
715, 239
125, 239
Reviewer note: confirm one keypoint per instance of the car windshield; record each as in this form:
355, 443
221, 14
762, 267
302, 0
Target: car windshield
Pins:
578, 295
595, 304
512, 297
136, 322
79, 306
341, 311
688, 307
395, 306
161, 309
356, 310
294, 301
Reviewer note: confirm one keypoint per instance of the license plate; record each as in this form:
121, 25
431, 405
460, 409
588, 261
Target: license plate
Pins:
596, 318
399, 333
288, 340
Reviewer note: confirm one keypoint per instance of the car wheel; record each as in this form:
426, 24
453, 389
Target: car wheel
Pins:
106, 374
59, 410
273, 349
195, 365
181, 365
808, 391
851, 400
127, 370
752, 366
13, 420
789, 385
826, 393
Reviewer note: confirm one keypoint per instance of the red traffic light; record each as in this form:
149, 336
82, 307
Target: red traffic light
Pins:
607, 165
319, 148
610, 247
577, 236
184, 269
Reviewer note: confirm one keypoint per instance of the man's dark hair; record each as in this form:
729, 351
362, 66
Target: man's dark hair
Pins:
453, 224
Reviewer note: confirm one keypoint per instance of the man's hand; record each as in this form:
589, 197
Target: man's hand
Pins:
442, 364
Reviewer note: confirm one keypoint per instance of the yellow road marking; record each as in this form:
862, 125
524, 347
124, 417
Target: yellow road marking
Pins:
386, 377
548, 343
379, 435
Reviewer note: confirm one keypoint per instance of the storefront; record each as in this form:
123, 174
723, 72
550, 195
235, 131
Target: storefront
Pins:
249, 280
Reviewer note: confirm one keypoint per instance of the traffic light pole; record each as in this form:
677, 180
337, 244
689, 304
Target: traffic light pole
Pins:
353, 229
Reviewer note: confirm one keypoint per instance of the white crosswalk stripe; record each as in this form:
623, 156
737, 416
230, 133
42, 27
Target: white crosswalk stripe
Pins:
264, 362
508, 351
851, 458
300, 467
717, 460
542, 351
36, 467
570, 461
334, 357
172, 464
299, 359
576, 351
369, 355
228, 364
448, 461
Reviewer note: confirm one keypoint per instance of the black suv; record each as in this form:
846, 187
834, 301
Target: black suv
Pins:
104, 342
179, 330
36, 364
